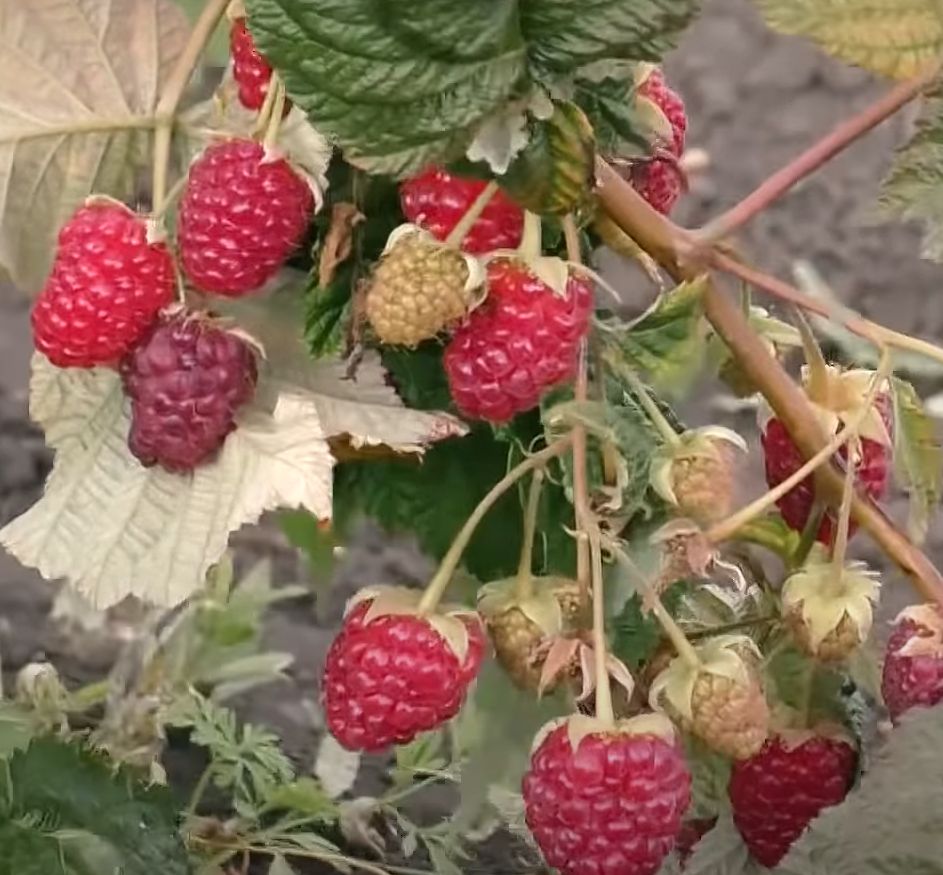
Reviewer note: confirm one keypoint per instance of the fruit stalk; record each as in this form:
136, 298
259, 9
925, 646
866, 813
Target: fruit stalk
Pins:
278, 110
580, 486
728, 528
664, 428
604, 711
525, 577
844, 513
673, 247
170, 97
443, 576
815, 156
464, 225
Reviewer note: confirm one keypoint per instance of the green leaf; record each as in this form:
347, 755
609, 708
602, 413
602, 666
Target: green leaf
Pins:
16, 728
607, 95
897, 38
666, 344
800, 682
913, 189
918, 456
280, 866
635, 634
78, 86
710, 775
401, 90
893, 821
722, 852
305, 796
72, 813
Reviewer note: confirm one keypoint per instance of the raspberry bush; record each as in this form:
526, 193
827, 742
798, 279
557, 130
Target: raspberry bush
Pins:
360, 280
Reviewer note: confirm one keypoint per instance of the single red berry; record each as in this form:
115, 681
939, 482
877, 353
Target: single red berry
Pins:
186, 381
612, 806
250, 70
913, 662
436, 200
778, 792
656, 89
390, 677
242, 215
783, 459
107, 284
521, 341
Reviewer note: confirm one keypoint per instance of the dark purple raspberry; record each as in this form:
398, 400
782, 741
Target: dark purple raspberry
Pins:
186, 381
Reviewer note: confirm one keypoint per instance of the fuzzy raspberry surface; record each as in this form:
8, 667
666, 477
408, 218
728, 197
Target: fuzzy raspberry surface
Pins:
106, 287
392, 677
241, 216
778, 792
186, 381
782, 459
910, 681
250, 70
436, 200
611, 807
521, 342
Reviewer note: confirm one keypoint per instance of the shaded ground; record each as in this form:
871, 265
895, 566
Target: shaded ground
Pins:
755, 100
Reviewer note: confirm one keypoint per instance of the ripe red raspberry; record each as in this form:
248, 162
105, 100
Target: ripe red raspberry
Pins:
107, 285
242, 215
250, 70
436, 200
392, 676
778, 792
186, 380
611, 806
656, 89
783, 459
522, 341
913, 662
659, 178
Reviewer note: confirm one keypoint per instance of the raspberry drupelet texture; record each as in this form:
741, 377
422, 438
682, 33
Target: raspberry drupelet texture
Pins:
436, 200
242, 215
783, 459
186, 381
521, 342
912, 679
778, 792
391, 677
659, 179
250, 70
613, 806
106, 287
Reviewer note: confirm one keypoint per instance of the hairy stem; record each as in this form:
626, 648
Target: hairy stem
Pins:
464, 225
604, 711
673, 249
664, 428
814, 157
580, 484
674, 632
173, 91
443, 576
729, 527
525, 576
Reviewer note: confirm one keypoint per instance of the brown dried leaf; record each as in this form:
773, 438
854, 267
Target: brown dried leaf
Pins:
338, 242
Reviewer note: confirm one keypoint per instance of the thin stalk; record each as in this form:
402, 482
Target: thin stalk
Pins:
814, 157
173, 91
844, 513
604, 711
726, 529
658, 419
460, 231
580, 483
278, 110
443, 576
199, 790
671, 628
809, 533
265, 111
531, 246
525, 576
398, 796
727, 628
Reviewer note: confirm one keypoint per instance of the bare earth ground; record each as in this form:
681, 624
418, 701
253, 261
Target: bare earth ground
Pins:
754, 100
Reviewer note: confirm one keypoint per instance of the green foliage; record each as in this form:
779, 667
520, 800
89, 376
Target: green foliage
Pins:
893, 821
399, 92
65, 810
666, 344
635, 634
918, 456
554, 173
898, 38
606, 93
801, 683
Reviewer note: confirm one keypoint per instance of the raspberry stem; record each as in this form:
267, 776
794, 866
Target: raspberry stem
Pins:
844, 512
674, 632
443, 576
531, 247
464, 225
166, 110
664, 428
525, 579
728, 528
604, 711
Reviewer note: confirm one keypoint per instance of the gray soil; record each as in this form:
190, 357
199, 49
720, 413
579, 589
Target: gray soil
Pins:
754, 99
